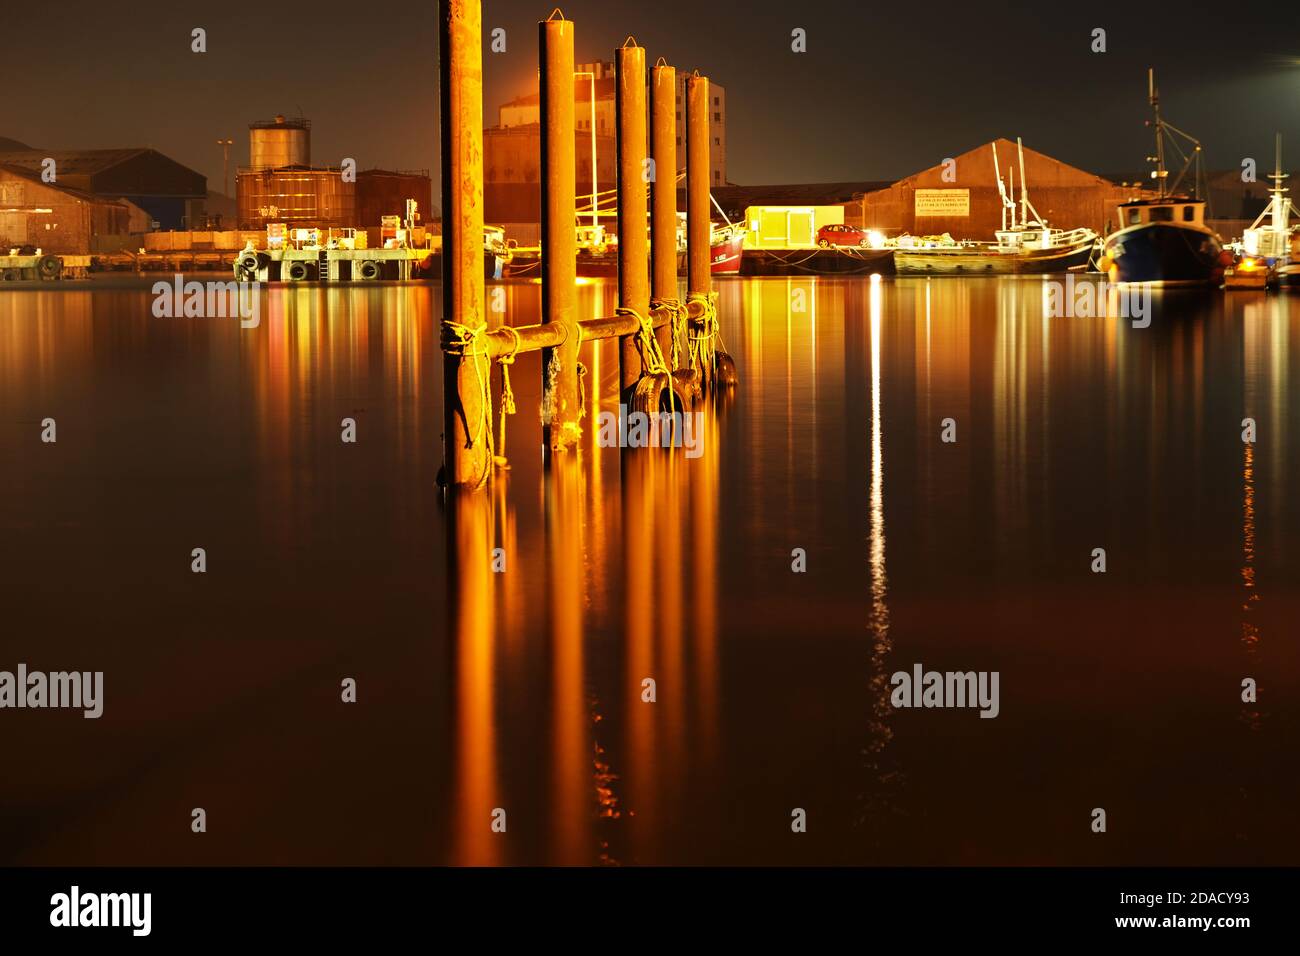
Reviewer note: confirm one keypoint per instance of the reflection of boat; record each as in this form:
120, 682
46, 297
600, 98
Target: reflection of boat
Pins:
1022, 245
1165, 240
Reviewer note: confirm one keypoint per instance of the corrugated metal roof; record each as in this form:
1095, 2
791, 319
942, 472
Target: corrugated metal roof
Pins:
73, 161
35, 177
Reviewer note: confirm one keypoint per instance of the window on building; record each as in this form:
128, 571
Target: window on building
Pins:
717, 117
716, 141
717, 101
717, 176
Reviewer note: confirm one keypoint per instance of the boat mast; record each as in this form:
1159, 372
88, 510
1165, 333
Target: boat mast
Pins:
1011, 180
1024, 200
1002, 189
1154, 96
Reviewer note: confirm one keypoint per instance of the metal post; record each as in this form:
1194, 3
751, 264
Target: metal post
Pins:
699, 280
633, 254
663, 192
561, 402
466, 419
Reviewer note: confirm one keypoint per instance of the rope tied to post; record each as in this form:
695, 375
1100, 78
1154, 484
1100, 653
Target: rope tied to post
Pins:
465, 341
652, 356
676, 324
708, 303
507, 393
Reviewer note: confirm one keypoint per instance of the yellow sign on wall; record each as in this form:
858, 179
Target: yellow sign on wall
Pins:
943, 202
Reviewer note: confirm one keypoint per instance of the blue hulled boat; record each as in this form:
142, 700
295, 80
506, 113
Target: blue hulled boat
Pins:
1165, 240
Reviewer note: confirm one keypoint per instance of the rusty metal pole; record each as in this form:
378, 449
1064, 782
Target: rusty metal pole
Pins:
633, 251
466, 420
699, 280
561, 401
663, 193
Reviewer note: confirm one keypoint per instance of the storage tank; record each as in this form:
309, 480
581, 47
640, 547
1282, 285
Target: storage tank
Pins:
279, 142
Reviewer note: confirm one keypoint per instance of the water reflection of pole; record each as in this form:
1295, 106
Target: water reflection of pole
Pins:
469, 571
572, 760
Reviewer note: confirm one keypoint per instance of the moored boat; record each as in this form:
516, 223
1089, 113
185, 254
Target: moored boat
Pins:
1269, 251
1165, 240
1024, 244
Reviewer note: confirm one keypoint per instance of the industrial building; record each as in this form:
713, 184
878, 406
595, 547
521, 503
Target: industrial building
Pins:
173, 195
512, 149
961, 197
280, 185
56, 218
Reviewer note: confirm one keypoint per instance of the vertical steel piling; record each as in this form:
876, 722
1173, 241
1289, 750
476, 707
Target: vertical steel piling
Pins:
466, 415
663, 192
633, 252
561, 401
699, 280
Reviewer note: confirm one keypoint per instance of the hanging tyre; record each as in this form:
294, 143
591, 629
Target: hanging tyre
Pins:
298, 271
246, 267
49, 267
368, 270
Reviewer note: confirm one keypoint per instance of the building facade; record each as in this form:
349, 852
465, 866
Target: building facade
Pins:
174, 195
56, 218
279, 185
961, 197
512, 149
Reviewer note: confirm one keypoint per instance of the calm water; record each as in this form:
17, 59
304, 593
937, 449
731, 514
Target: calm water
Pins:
522, 690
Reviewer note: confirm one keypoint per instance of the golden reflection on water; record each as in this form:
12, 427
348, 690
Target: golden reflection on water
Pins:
615, 558
884, 777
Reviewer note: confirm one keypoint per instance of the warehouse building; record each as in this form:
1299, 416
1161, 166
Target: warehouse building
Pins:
173, 195
57, 218
960, 196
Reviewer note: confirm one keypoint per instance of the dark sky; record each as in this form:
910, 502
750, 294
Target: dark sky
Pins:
885, 89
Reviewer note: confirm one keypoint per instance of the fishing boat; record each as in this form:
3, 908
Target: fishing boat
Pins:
1165, 240
1269, 251
1024, 244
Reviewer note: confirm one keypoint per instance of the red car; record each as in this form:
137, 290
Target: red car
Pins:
841, 235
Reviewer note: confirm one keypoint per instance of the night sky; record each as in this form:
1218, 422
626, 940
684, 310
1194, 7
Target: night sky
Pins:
885, 89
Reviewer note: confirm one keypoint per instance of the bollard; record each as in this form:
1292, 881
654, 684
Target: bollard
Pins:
633, 254
467, 426
561, 400
699, 280
663, 193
